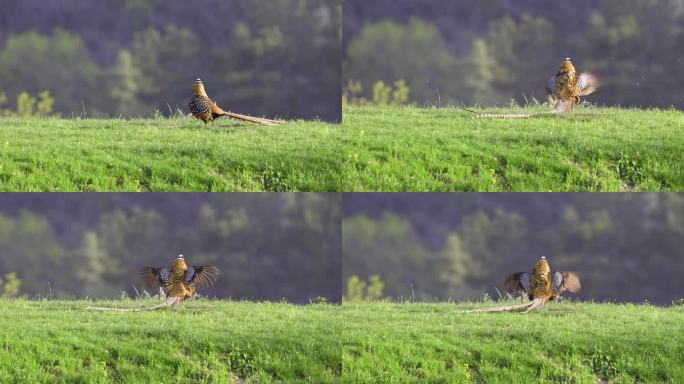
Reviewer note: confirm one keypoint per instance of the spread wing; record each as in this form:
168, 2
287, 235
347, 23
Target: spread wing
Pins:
562, 281
155, 277
551, 85
516, 282
587, 83
201, 276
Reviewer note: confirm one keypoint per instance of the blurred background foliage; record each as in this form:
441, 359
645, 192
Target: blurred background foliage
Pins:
490, 52
264, 57
624, 246
361, 291
28, 106
9, 287
268, 246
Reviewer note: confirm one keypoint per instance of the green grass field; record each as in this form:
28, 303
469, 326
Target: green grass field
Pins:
203, 342
565, 343
447, 149
176, 154
247, 342
379, 149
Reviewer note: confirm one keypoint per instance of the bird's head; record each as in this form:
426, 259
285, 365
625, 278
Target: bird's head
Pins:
179, 264
567, 66
198, 88
542, 266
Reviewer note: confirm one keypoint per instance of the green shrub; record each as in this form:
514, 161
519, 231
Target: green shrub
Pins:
361, 291
10, 286
29, 106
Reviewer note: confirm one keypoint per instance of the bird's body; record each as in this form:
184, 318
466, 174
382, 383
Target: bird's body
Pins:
176, 286
206, 110
540, 286
540, 282
200, 107
566, 82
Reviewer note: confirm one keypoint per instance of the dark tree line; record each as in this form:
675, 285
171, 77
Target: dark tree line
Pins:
267, 246
625, 247
491, 51
274, 57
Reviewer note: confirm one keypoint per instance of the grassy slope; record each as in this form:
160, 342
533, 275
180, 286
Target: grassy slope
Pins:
178, 154
597, 149
565, 343
209, 341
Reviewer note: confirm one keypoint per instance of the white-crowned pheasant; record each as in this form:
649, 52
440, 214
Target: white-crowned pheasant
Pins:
180, 281
206, 110
540, 286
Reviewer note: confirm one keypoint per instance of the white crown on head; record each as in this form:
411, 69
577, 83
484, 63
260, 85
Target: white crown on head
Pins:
180, 257
543, 257
198, 81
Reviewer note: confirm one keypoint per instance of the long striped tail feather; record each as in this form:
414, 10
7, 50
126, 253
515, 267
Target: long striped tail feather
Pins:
510, 115
527, 307
252, 119
170, 302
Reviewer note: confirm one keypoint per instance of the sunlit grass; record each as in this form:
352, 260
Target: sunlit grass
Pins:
448, 149
203, 342
564, 343
176, 154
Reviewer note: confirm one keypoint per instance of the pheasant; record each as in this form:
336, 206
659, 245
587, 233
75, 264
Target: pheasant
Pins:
541, 286
206, 110
564, 91
178, 283
567, 86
